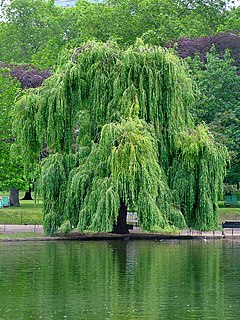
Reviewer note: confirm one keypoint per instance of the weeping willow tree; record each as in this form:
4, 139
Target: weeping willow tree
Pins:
117, 131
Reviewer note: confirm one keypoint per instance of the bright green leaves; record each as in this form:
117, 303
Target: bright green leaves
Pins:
123, 118
218, 105
11, 169
52, 186
197, 176
123, 165
25, 129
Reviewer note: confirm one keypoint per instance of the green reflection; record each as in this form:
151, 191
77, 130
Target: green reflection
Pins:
120, 280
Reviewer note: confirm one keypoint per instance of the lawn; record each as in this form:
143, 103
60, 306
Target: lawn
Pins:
30, 212
229, 213
20, 235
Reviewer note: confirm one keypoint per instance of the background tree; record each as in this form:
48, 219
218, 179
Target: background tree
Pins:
90, 21
218, 103
11, 170
31, 32
13, 176
117, 128
231, 21
37, 31
218, 83
222, 41
156, 21
28, 76
171, 20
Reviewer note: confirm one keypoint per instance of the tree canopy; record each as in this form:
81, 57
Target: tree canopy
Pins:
218, 101
14, 78
36, 31
118, 133
187, 47
11, 171
31, 32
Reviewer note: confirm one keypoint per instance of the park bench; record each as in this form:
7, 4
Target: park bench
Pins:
230, 225
228, 200
231, 200
234, 200
132, 218
5, 201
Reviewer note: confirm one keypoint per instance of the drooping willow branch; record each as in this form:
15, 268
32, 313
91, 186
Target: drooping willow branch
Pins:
135, 142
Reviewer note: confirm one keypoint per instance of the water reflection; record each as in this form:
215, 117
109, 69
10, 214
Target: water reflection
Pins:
120, 280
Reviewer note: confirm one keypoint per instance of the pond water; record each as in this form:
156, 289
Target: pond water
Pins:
120, 280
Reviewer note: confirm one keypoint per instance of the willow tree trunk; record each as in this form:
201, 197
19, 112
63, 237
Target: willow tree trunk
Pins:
14, 198
121, 225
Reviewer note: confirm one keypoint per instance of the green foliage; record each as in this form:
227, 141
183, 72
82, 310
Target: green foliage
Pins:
218, 103
65, 227
52, 186
11, 170
127, 168
31, 32
219, 85
29, 144
37, 31
232, 21
116, 126
159, 22
197, 180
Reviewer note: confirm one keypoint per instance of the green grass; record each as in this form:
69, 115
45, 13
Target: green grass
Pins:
31, 213
20, 235
229, 214
28, 213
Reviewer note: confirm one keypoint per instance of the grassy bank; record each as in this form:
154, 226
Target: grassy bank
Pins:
28, 213
229, 214
21, 235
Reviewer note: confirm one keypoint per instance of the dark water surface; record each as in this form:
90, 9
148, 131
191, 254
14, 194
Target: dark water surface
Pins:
120, 280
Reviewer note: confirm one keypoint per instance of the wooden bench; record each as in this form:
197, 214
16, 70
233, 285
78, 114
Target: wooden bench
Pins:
132, 218
230, 225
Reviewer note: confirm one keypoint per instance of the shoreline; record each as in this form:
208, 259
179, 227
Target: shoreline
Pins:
35, 233
122, 237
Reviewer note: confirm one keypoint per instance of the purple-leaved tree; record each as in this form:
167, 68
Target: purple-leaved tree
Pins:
222, 41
